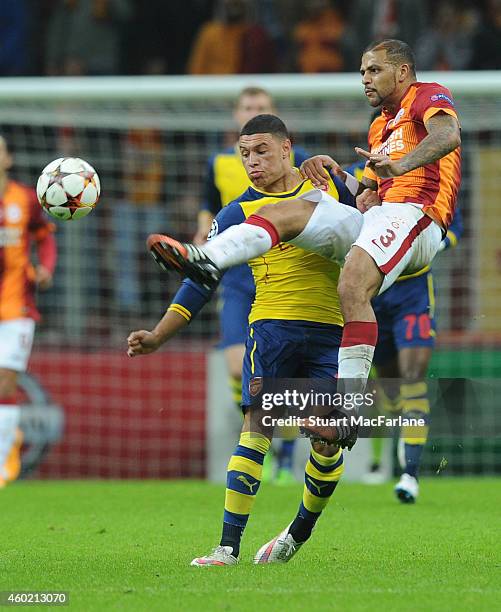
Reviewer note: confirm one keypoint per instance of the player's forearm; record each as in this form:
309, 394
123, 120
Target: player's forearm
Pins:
47, 252
169, 325
434, 146
205, 218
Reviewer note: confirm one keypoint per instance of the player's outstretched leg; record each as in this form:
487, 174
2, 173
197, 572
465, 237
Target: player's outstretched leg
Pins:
322, 474
242, 483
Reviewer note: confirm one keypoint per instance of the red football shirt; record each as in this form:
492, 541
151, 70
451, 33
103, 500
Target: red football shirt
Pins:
434, 186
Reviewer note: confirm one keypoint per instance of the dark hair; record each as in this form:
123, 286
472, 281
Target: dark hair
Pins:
397, 51
265, 124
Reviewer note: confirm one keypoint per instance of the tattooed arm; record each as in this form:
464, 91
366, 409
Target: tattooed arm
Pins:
443, 137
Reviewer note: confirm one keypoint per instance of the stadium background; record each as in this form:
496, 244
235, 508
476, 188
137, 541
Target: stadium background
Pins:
149, 138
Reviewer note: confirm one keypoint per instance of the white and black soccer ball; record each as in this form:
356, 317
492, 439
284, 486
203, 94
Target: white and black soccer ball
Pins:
68, 188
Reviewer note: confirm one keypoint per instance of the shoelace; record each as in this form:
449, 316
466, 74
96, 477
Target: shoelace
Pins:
219, 550
286, 552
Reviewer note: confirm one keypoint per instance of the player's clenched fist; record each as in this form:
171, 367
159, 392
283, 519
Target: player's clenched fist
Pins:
367, 199
142, 342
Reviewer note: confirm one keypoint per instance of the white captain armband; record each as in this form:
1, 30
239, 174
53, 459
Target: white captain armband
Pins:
351, 183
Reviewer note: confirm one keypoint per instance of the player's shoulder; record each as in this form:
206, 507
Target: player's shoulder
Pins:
221, 155
16, 190
15, 184
431, 93
229, 215
226, 152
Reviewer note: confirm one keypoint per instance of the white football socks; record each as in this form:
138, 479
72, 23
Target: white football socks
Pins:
355, 361
238, 244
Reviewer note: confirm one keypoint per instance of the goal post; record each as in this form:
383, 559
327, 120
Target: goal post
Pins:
149, 139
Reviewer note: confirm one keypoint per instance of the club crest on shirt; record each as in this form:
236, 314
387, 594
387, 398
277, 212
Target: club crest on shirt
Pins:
13, 213
393, 122
255, 385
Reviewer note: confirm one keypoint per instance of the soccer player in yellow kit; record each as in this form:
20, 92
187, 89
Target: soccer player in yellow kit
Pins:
295, 329
227, 179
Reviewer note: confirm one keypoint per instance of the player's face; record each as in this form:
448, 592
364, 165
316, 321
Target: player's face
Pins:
379, 78
251, 106
264, 158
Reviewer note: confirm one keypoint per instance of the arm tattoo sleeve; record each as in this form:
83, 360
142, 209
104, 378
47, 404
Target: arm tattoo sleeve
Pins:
443, 137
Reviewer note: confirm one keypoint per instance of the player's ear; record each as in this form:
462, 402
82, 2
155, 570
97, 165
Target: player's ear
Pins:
286, 148
403, 72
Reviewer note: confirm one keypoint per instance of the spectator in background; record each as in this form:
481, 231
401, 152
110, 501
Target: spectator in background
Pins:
381, 19
319, 38
140, 213
13, 38
487, 40
159, 35
232, 43
83, 36
448, 43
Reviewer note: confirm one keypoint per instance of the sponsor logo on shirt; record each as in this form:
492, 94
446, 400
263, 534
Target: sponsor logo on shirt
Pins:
393, 144
393, 122
441, 96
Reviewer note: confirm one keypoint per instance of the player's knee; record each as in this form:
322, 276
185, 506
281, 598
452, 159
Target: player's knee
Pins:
350, 292
326, 450
254, 422
289, 218
413, 363
413, 372
355, 286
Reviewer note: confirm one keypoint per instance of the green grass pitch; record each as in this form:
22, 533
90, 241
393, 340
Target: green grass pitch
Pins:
127, 546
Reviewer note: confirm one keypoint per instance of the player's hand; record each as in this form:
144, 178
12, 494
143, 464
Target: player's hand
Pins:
367, 199
141, 342
382, 165
315, 168
43, 277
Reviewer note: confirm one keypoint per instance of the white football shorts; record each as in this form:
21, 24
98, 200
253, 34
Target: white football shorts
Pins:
16, 340
332, 228
400, 238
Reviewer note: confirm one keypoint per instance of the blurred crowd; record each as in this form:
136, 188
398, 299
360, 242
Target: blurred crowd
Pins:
116, 37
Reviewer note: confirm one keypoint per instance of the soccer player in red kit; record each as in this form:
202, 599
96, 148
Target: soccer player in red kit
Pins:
22, 221
407, 194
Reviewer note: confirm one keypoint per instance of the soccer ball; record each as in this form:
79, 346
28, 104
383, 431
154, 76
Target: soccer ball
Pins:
68, 188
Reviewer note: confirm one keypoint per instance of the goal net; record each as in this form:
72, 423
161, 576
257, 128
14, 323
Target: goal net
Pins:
149, 138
